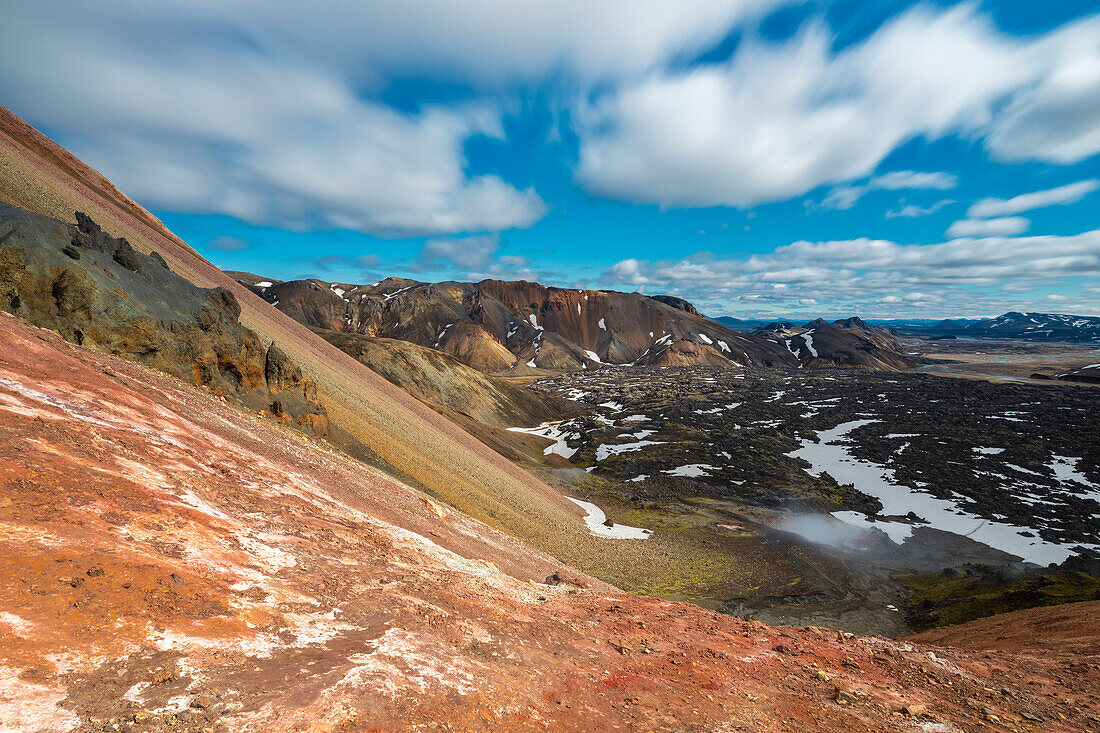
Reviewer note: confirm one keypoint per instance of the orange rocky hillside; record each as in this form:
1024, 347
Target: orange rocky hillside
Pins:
371, 418
176, 563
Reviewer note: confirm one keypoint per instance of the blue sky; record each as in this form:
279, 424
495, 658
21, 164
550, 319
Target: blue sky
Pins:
759, 157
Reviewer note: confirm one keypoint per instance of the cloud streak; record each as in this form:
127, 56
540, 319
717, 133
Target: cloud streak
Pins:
780, 119
1005, 226
960, 275
845, 197
1068, 194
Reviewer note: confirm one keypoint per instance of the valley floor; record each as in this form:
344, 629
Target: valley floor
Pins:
803, 496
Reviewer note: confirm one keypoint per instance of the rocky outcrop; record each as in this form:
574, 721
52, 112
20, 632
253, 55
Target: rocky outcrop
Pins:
678, 303
97, 291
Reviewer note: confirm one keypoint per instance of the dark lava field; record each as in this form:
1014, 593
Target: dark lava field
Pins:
1014, 455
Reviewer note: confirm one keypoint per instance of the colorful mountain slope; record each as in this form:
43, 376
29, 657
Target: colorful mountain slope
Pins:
367, 416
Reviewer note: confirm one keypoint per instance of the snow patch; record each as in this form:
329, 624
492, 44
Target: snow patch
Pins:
870, 478
606, 451
692, 470
810, 342
555, 432
594, 519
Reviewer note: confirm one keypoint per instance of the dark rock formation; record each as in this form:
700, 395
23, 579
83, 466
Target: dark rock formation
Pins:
97, 291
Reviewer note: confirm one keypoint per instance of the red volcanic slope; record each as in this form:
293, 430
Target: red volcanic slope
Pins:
172, 562
381, 421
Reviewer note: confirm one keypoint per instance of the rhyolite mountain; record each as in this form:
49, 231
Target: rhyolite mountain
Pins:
528, 328
523, 327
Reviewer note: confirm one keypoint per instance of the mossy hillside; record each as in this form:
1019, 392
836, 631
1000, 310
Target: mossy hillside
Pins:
689, 556
955, 596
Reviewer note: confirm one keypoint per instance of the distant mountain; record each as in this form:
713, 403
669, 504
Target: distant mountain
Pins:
741, 324
528, 328
848, 342
521, 327
1034, 327
1012, 325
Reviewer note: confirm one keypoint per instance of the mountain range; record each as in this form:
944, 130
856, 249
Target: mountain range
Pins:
527, 328
1025, 326
1011, 325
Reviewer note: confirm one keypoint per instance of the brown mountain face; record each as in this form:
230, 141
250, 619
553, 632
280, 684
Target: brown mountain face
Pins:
442, 380
848, 342
522, 327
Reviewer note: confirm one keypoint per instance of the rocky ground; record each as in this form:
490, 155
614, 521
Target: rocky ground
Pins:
1012, 453
176, 563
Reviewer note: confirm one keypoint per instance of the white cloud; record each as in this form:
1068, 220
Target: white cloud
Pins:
845, 197
897, 180
1005, 226
912, 210
778, 120
481, 41
1068, 194
181, 117
1058, 120
965, 275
